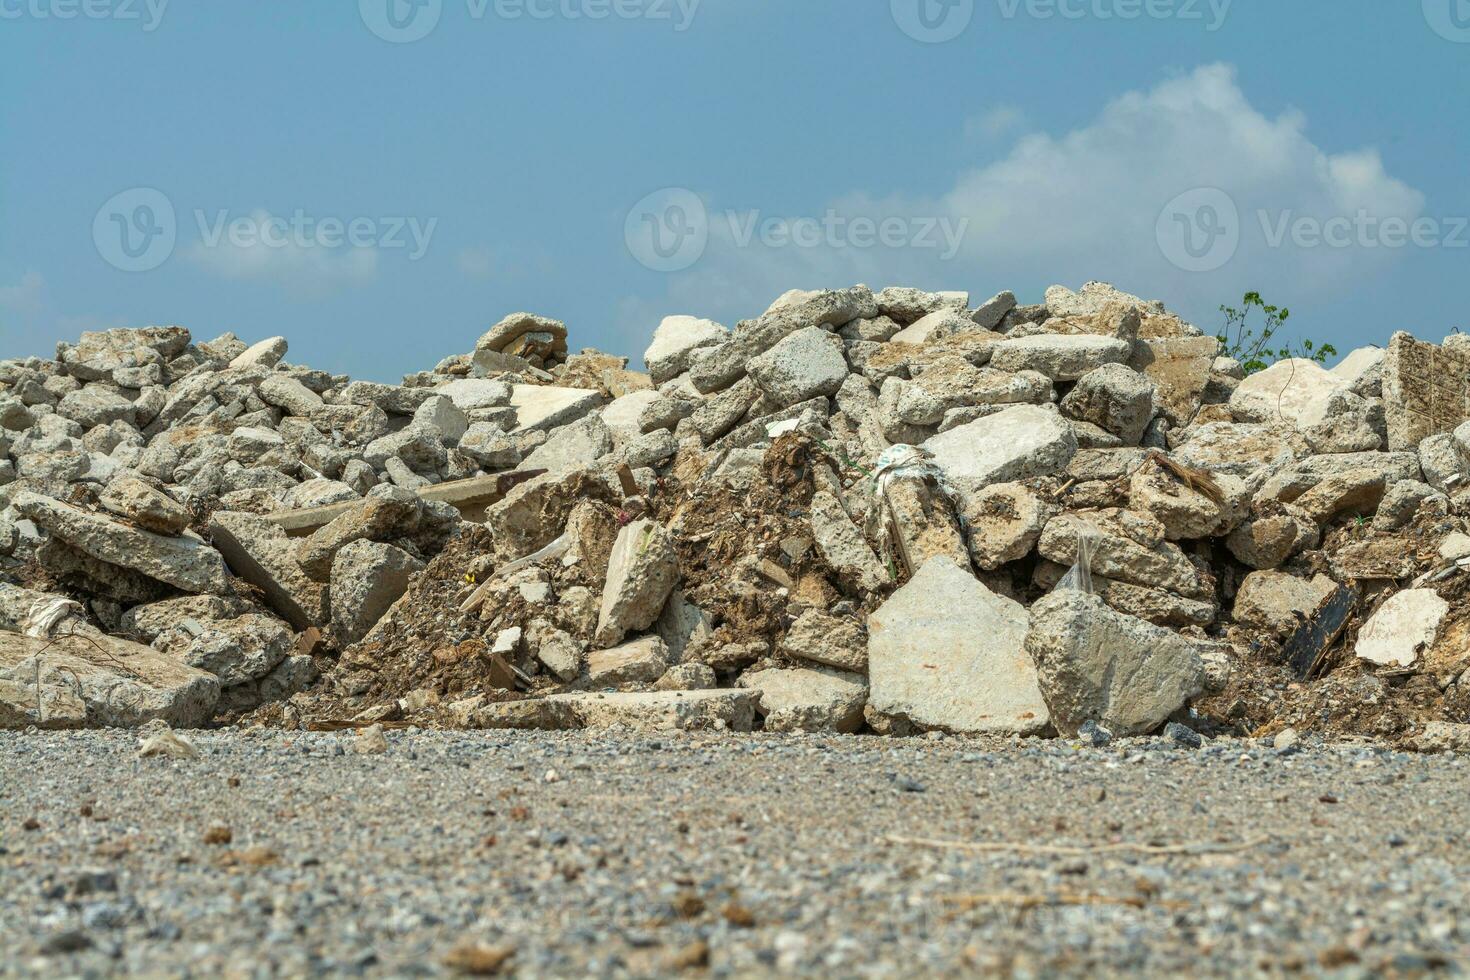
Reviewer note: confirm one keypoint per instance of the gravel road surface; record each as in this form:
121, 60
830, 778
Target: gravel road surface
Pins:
290, 854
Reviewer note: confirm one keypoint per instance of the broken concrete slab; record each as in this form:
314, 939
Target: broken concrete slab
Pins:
1278, 602
186, 562
544, 407
806, 699
387, 512
835, 641
1295, 390
676, 343
652, 712
1115, 398
640, 661
471, 394
1125, 546
237, 651
1096, 664
725, 364
571, 447
265, 354
1016, 443
1060, 357
1239, 449
1403, 629
842, 545
1180, 368
503, 335
944, 652
1426, 390
803, 365
367, 577
942, 323
1003, 522
121, 684
1343, 494
641, 572
145, 505
260, 552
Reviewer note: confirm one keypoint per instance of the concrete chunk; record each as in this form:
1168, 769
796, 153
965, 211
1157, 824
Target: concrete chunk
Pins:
676, 342
808, 700
259, 551
1403, 629
803, 365
1097, 664
545, 407
945, 652
1061, 357
367, 578
121, 684
186, 562
1017, 443
641, 573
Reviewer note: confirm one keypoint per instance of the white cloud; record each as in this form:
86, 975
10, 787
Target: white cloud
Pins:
475, 263
269, 253
26, 296
1086, 205
993, 123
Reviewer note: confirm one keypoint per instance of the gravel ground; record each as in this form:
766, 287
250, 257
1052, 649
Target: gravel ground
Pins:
289, 854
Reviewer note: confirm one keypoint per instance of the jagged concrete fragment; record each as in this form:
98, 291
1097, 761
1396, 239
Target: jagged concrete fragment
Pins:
541, 408
640, 661
120, 684
144, 505
945, 652
676, 343
1114, 398
835, 641
237, 651
725, 364
808, 700
185, 562
386, 513
1017, 443
1278, 602
801, 366
367, 578
1403, 629
1004, 522
1096, 664
1059, 357
653, 712
842, 546
641, 573
259, 551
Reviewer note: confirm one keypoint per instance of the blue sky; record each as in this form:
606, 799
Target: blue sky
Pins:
1314, 150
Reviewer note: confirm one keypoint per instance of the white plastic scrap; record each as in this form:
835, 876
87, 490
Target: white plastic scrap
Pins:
903, 462
45, 615
164, 742
1079, 576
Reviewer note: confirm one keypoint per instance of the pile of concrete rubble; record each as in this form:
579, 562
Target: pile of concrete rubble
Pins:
892, 512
